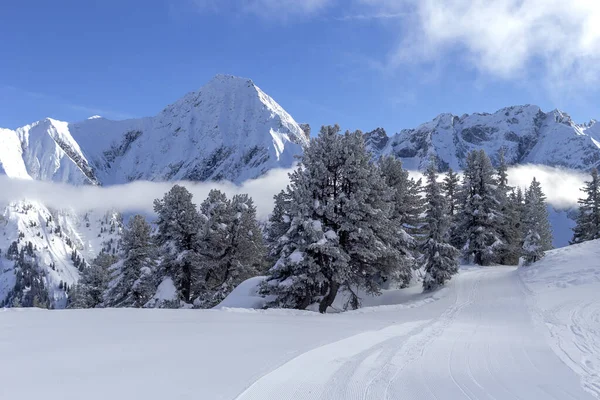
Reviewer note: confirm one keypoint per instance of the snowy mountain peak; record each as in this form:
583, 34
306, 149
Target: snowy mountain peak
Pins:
526, 133
227, 130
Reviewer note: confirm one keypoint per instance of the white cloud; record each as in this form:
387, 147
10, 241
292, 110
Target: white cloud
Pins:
136, 196
504, 38
562, 188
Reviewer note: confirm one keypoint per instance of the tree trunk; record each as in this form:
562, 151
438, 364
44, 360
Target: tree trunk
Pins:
329, 297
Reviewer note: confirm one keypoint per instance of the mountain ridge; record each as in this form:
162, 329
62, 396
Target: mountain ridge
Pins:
526, 133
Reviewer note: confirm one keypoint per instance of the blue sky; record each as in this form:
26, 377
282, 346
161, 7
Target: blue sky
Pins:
359, 63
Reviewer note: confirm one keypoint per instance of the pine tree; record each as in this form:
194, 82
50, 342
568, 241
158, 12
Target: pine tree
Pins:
440, 258
480, 219
408, 205
340, 234
134, 283
513, 229
588, 219
89, 291
538, 237
279, 223
231, 246
451, 187
380, 251
311, 265
179, 225
510, 251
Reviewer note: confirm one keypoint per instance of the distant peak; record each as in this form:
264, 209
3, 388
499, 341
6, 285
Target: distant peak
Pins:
95, 117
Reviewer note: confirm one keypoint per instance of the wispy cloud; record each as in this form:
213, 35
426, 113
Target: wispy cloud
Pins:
371, 17
136, 196
268, 9
506, 39
66, 104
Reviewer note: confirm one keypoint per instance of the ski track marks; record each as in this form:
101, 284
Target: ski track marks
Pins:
483, 346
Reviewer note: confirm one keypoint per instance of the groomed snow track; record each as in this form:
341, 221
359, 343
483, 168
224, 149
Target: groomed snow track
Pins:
485, 345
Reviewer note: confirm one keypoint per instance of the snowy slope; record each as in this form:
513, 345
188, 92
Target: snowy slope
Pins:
51, 154
527, 134
475, 341
564, 291
54, 234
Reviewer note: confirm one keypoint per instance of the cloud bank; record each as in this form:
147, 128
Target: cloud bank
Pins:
136, 196
562, 188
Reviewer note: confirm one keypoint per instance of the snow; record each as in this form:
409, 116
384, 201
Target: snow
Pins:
245, 296
296, 257
166, 291
475, 339
526, 133
564, 293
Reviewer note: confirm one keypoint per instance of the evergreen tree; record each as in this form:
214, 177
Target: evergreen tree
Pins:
408, 205
380, 251
231, 246
89, 291
480, 220
311, 265
588, 219
538, 237
340, 234
134, 283
513, 229
179, 225
451, 187
440, 258
510, 251
279, 223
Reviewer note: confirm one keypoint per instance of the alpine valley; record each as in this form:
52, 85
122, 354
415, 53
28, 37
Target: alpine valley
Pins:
229, 130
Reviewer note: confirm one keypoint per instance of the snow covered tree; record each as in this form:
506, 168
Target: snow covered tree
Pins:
513, 229
510, 251
408, 205
538, 233
279, 223
588, 219
340, 234
311, 266
89, 291
451, 186
231, 246
380, 250
440, 258
134, 283
179, 225
480, 220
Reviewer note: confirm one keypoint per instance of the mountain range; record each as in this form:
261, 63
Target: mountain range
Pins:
231, 130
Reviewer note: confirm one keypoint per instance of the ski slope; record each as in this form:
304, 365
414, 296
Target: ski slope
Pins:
494, 333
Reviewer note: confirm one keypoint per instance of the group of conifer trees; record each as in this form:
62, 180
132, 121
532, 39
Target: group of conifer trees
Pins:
206, 253
347, 224
344, 224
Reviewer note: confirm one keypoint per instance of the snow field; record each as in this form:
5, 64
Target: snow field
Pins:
494, 333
